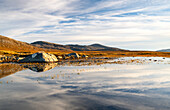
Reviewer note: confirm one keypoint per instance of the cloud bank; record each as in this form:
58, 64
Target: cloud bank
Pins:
128, 24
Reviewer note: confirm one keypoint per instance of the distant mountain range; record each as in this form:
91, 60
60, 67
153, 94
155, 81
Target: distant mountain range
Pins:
18, 46
164, 50
93, 47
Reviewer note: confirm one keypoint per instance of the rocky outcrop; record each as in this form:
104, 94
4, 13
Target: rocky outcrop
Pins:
84, 56
4, 58
74, 55
40, 57
59, 57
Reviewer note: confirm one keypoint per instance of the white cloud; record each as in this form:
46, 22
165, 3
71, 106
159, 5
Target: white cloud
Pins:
109, 22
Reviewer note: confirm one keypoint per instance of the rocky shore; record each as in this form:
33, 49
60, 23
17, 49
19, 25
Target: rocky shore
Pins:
41, 57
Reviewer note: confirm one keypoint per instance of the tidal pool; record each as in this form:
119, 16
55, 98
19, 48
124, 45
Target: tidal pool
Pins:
109, 86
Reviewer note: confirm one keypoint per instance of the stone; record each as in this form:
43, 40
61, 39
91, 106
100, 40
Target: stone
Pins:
59, 57
84, 56
7, 58
40, 57
75, 55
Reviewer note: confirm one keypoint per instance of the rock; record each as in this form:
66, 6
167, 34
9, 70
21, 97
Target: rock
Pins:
2, 57
8, 58
75, 55
19, 58
59, 57
84, 56
65, 57
40, 57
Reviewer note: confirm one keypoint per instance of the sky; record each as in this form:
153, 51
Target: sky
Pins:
127, 24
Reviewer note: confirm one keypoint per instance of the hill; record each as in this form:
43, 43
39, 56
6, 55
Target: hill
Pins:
10, 46
93, 47
48, 45
14, 45
164, 50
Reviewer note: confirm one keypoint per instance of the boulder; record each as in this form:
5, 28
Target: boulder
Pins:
40, 57
75, 55
7, 58
84, 56
59, 57
2, 57
65, 57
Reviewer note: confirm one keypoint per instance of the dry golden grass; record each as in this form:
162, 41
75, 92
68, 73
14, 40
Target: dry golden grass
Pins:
10, 46
94, 53
126, 53
118, 53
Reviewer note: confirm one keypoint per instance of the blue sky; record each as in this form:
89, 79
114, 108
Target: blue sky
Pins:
128, 24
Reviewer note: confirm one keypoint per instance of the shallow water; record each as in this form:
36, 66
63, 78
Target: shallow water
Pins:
129, 86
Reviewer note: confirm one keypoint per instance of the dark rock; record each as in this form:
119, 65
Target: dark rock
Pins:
84, 56
4, 58
75, 55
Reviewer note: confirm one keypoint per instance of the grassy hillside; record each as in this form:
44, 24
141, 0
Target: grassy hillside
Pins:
14, 45
120, 53
11, 46
48, 45
93, 47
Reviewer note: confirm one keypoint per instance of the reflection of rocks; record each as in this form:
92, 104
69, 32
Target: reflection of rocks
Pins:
40, 67
8, 69
40, 57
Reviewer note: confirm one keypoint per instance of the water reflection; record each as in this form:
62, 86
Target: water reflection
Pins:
8, 69
40, 67
94, 87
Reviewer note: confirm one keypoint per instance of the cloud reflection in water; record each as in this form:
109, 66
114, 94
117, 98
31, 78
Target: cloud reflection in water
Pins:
109, 86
